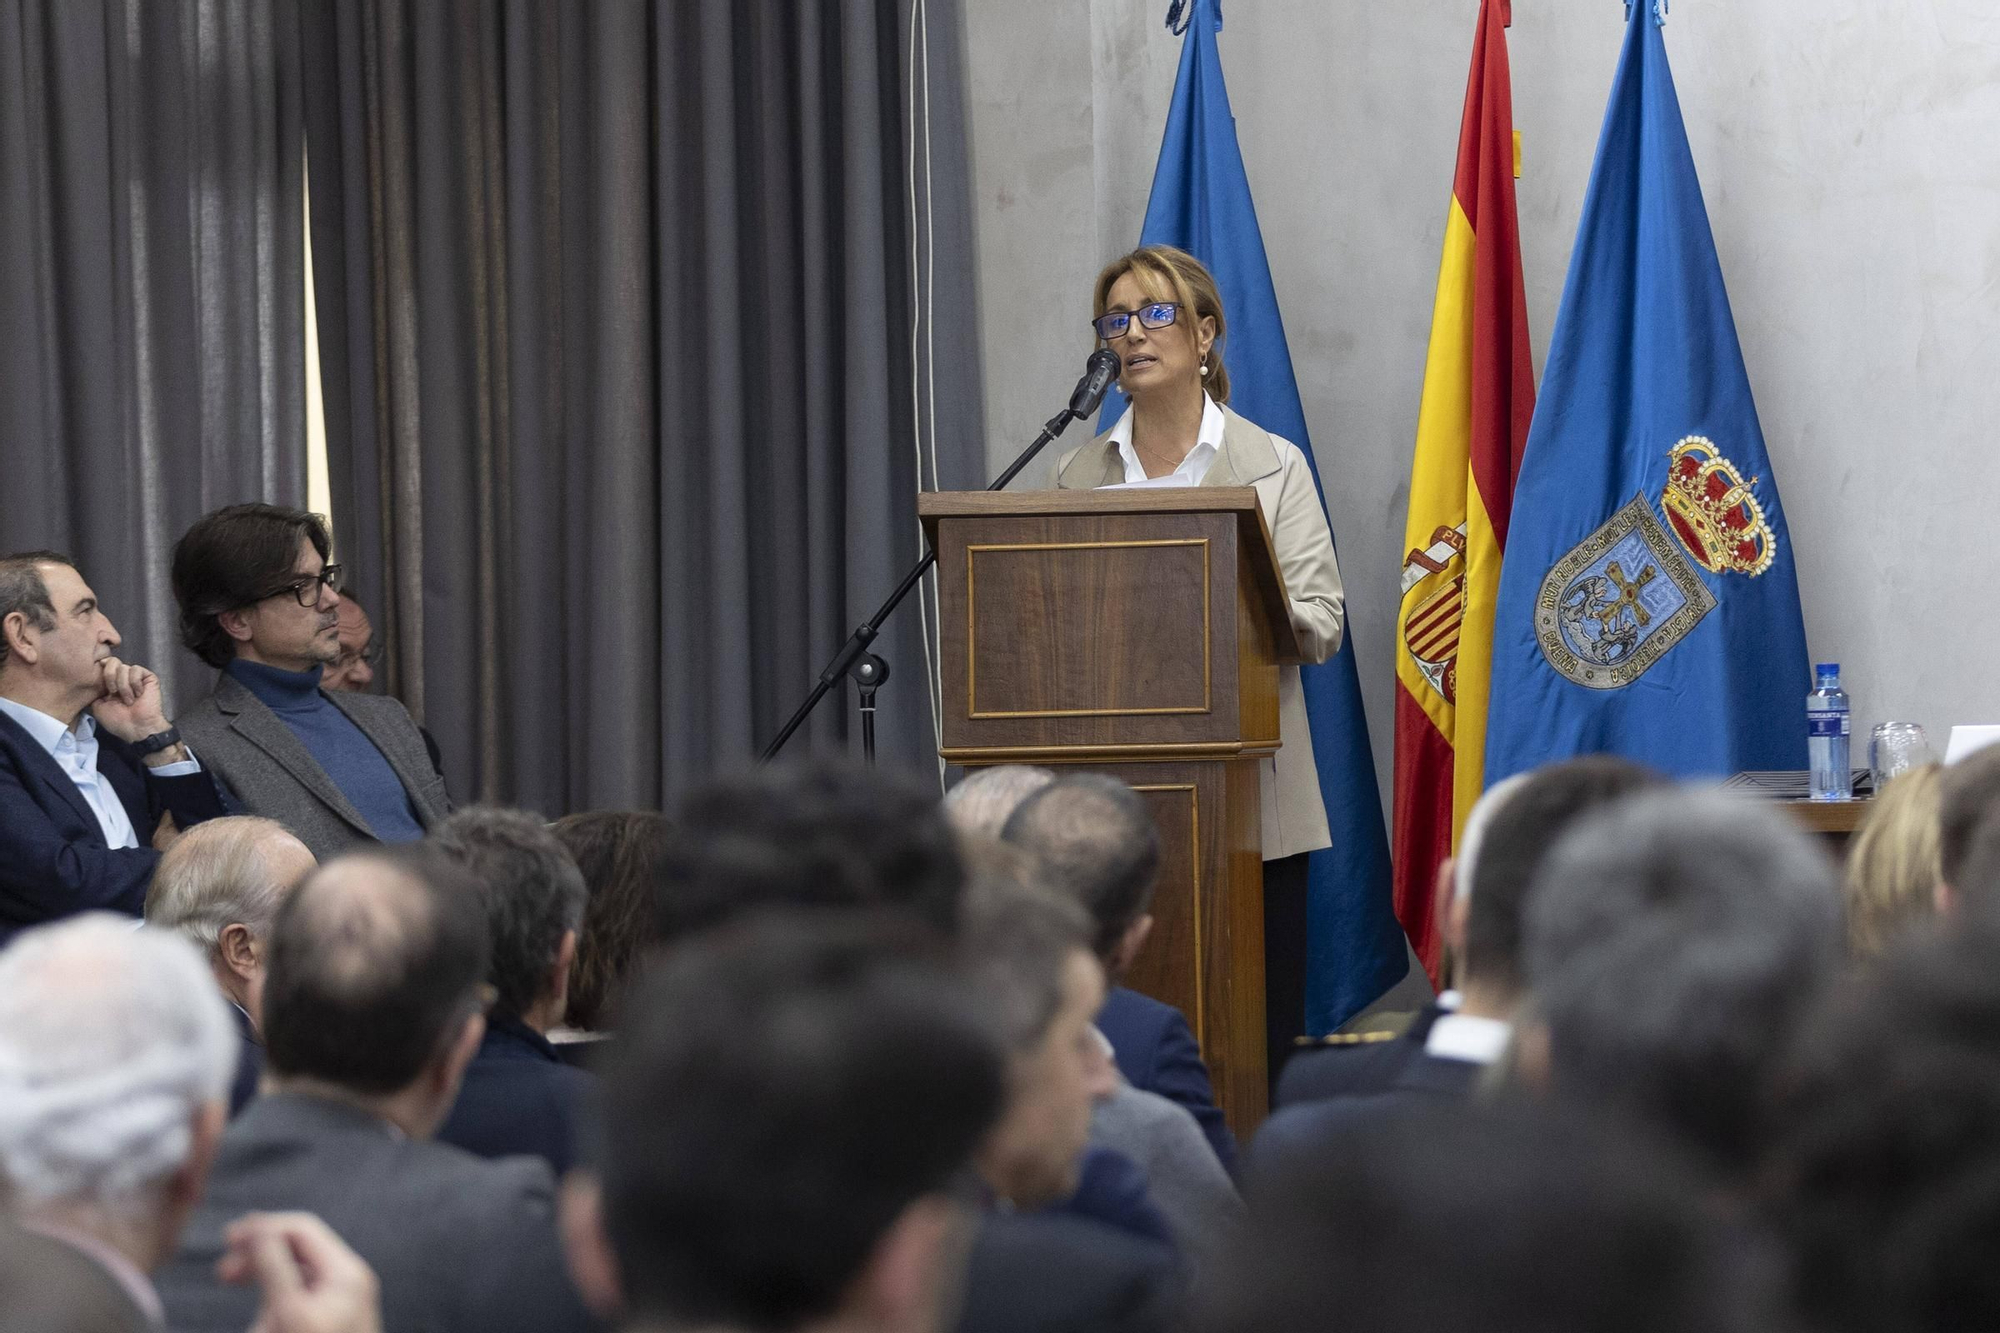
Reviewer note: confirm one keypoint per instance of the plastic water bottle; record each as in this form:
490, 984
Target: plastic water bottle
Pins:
1826, 736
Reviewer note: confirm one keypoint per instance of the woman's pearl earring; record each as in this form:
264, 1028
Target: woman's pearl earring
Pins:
1204, 366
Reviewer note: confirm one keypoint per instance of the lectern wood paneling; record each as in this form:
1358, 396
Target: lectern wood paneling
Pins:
1137, 633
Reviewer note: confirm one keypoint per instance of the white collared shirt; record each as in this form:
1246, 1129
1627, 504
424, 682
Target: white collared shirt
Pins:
1463, 1037
1208, 441
75, 753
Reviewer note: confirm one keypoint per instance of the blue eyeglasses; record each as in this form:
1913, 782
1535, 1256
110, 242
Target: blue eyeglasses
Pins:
1158, 315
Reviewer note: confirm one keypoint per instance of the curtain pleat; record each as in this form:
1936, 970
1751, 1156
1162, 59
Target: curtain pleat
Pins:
627, 437
151, 287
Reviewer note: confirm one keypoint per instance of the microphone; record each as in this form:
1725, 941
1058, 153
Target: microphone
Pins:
1101, 374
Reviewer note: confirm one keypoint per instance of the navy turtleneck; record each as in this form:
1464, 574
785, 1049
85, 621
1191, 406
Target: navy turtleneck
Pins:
341, 748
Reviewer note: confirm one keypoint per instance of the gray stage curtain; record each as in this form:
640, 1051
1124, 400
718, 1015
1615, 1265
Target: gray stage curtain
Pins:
617, 304
151, 287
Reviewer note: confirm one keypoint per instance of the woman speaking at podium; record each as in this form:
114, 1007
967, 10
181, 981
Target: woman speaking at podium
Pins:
1158, 308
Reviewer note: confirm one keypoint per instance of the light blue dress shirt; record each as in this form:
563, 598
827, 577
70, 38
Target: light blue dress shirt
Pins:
75, 753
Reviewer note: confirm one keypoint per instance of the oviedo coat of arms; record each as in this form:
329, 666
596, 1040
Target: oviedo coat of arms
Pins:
1630, 591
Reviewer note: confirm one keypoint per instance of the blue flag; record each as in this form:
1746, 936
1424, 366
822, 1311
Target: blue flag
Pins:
1649, 605
1201, 203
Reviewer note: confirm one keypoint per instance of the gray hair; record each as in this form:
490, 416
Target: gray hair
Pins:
112, 1038
216, 875
23, 589
1095, 840
986, 798
1016, 940
1674, 941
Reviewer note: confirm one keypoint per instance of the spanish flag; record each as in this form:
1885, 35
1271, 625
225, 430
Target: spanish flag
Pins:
1479, 395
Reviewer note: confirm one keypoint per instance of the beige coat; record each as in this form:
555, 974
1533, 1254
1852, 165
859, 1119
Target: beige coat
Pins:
1294, 814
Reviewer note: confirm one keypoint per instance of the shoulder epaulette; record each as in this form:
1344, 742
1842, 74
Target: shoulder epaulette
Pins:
1347, 1039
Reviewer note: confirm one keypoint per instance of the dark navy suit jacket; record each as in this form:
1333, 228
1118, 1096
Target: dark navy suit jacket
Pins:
54, 861
519, 1099
1037, 1273
1111, 1188
1156, 1052
1346, 1071
1423, 1080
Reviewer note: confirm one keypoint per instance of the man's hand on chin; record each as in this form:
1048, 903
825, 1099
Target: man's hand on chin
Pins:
129, 707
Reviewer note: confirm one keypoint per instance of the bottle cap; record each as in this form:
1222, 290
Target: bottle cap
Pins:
1827, 669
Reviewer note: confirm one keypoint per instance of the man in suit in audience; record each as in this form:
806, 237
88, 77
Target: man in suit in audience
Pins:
518, 1095
1026, 951
94, 780
260, 601
360, 658
1673, 943
1485, 1217
1481, 896
115, 1053
788, 1115
372, 1009
219, 886
1095, 841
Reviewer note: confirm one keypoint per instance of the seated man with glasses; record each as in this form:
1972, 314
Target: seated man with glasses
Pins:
259, 600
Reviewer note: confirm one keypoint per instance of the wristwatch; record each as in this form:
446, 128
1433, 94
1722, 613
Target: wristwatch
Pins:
158, 741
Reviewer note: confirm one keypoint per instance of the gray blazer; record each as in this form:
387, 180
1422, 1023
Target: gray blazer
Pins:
460, 1244
1185, 1179
266, 769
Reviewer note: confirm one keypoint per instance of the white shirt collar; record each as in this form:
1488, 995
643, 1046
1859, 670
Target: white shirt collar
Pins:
1463, 1037
1208, 441
47, 731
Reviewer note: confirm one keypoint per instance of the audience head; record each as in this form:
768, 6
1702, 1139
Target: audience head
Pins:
1026, 950
1093, 839
1479, 1218
534, 897
984, 798
1969, 792
1885, 1176
115, 1060
1501, 853
620, 853
354, 669
814, 834
219, 887
793, 1103
249, 580
1674, 940
374, 987
1893, 868
53, 633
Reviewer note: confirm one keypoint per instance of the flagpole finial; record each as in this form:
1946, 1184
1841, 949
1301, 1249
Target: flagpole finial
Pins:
1659, 11
1181, 13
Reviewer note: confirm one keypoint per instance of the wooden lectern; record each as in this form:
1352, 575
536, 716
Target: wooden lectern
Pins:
1137, 633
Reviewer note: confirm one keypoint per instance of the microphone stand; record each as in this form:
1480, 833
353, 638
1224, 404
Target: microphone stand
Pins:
854, 659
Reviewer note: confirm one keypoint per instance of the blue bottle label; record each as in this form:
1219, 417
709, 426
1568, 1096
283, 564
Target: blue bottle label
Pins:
1826, 722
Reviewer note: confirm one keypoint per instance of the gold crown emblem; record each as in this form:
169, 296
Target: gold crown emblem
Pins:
1713, 511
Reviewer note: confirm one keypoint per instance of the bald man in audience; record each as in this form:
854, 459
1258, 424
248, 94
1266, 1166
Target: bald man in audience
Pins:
373, 1006
984, 799
219, 887
1095, 841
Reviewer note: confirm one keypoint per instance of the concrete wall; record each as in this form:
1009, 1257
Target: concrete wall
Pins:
1850, 155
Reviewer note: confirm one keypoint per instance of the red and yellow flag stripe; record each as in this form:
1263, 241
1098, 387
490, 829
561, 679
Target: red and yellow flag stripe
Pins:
1479, 394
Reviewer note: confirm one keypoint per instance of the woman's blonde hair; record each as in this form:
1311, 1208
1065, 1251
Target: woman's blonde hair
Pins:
1167, 273
1893, 866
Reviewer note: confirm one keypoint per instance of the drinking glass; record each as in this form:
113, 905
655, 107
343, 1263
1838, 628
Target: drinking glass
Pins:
1896, 747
